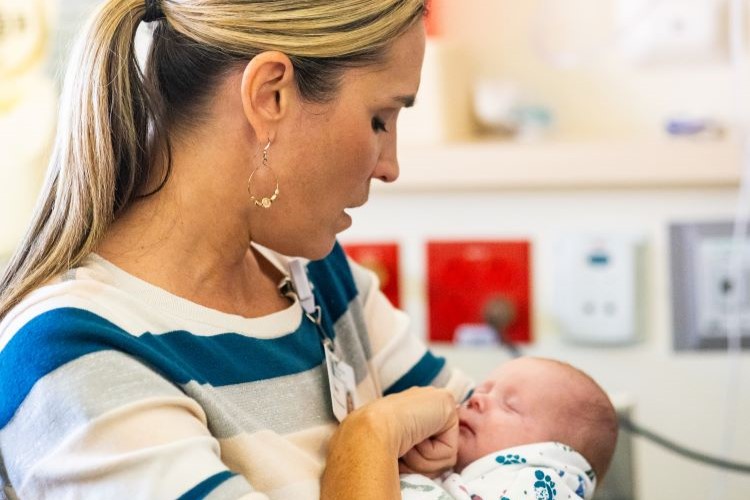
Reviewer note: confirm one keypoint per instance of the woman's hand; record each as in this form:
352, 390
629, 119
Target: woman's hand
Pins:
421, 418
433, 456
363, 454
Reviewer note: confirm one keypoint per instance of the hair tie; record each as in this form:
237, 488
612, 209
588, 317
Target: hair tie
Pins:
153, 11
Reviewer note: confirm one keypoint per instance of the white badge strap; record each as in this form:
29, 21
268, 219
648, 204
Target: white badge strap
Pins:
341, 378
302, 286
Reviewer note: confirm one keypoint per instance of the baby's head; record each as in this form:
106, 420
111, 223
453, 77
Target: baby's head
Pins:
531, 400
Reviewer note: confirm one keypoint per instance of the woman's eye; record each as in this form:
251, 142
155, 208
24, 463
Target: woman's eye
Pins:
378, 125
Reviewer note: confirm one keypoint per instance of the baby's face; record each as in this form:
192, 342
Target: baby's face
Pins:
518, 404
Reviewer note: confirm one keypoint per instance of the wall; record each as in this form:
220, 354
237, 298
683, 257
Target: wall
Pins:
681, 396
606, 98
28, 102
602, 94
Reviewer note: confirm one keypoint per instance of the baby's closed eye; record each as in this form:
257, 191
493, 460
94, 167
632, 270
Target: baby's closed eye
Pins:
511, 402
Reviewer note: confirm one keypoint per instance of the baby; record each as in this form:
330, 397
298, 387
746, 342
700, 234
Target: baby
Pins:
536, 428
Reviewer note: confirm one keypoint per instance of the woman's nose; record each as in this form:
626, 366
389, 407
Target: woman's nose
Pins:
387, 170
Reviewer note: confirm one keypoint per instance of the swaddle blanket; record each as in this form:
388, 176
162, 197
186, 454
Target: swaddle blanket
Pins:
542, 471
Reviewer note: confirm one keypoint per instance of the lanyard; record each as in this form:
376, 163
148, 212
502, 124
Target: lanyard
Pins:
299, 286
341, 378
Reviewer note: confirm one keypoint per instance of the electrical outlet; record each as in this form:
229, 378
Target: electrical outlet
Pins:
717, 287
703, 286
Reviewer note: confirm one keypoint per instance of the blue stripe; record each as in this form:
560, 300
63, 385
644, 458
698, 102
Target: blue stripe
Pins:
63, 335
205, 487
468, 395
334, 285
421, 375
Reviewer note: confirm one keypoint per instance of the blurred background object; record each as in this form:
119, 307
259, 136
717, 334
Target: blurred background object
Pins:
27, 112
383, 259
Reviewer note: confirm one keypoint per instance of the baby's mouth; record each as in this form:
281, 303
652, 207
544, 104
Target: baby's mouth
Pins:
463, 425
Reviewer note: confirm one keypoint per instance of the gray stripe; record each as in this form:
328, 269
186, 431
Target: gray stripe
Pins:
285, 404
282, 405
70, 396
352, 341
232, 489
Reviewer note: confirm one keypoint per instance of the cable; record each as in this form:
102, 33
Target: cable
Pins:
629, 426
733, 324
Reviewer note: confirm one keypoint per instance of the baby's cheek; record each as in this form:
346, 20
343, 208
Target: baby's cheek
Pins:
467, 451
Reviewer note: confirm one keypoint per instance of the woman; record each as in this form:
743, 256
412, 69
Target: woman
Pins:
157, 342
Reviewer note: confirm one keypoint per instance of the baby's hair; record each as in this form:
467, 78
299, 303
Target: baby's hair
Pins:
594, 419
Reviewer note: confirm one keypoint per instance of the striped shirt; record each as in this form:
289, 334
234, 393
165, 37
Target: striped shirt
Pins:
113, 388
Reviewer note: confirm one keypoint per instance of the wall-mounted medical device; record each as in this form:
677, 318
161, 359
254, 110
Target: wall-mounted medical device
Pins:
703, 285
597, 288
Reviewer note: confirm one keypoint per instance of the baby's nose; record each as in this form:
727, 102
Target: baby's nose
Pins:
474, 403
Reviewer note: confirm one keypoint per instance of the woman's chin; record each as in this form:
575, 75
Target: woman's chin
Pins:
320, 249
345, 221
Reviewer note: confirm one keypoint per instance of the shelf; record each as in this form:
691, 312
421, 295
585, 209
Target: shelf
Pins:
573, 165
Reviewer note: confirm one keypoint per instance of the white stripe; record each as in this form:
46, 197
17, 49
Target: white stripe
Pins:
73, 397
234, 488
47, 298
116, 304
398, 357
150, 450
273, 463
384, 322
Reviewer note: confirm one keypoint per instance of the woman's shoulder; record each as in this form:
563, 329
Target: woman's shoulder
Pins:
84, 288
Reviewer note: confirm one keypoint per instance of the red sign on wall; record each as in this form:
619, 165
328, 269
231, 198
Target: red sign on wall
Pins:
463, 277
383, 260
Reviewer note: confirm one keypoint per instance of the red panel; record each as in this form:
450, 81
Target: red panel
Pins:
383, 260
463, 276
432, 20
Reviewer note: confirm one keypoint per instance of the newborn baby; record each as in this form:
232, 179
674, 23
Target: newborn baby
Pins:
536, 428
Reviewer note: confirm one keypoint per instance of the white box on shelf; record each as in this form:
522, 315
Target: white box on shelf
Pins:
443, 110
672, 31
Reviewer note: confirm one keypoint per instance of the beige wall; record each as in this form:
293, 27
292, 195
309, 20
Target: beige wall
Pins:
604, 96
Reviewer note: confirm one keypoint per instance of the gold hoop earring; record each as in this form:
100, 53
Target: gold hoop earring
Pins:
264, 202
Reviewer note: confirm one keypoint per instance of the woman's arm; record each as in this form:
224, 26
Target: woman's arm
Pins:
363, 454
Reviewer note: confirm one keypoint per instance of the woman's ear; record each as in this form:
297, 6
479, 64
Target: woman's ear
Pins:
268, 88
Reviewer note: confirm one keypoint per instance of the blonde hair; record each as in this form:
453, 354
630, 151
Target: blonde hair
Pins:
115, 122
